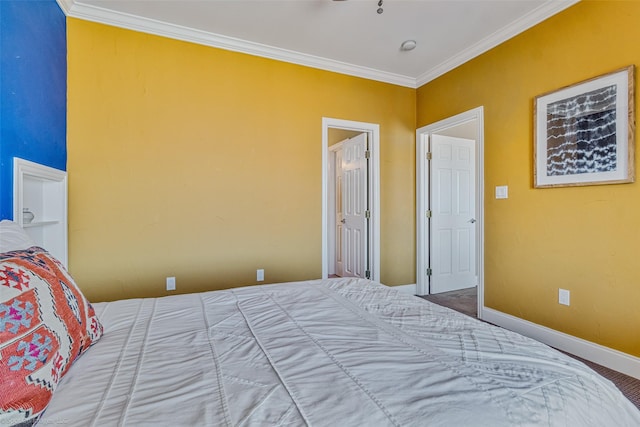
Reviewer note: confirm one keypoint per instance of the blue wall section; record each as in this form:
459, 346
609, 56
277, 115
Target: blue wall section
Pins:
33, 89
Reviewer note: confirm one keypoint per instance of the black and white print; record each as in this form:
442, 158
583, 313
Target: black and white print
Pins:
581, 133
584, 133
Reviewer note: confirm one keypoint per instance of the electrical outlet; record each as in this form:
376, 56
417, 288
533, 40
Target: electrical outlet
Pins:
171, 283
564, 296
260, 275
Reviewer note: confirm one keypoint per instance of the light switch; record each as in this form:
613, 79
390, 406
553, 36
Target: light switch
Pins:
502, 192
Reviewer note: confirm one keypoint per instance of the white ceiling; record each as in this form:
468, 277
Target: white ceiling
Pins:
349, 37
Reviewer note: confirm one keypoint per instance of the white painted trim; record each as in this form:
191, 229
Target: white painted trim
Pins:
406, 289
374, 146
422, 185
65, 5
77, 9
545, 11
178, 32
54, 200
422, 203
605, 356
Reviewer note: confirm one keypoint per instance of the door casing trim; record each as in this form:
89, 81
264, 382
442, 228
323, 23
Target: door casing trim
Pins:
422, 196
373, 130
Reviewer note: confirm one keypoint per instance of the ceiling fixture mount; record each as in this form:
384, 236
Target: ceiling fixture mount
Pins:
380, 10
408, 45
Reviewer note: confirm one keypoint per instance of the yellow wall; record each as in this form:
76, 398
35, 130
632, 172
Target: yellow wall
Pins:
338, 135
205, 164
585, 239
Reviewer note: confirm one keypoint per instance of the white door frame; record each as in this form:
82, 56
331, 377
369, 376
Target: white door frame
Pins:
373, 131
422, 197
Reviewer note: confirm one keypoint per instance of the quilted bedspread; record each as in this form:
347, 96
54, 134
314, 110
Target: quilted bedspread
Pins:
338, 352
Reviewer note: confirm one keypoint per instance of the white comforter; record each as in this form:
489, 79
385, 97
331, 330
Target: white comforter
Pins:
339, 352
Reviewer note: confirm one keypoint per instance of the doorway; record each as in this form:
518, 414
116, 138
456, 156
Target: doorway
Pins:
451, 213
356, 219
445, 225
348, 204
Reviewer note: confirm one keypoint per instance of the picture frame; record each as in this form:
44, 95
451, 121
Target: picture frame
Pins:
584, 133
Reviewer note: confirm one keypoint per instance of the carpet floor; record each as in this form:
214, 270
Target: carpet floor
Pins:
466, 301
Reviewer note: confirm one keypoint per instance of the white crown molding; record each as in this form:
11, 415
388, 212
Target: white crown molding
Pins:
65, 5
100, 15
534, 17
151, 26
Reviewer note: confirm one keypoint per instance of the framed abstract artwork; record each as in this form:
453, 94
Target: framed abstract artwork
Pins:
584, 133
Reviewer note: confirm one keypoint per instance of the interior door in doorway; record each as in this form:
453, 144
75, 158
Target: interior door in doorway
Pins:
339, 231
453, 231
354, 206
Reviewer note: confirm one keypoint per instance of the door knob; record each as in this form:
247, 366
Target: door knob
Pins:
343, 220
472, 220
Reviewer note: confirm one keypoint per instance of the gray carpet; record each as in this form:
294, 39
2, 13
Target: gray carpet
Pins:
466, 301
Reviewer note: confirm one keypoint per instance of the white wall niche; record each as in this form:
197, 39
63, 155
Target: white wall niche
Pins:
42, 190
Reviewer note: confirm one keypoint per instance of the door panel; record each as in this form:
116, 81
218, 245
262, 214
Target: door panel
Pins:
452, 247
354, 171
339, 241
464, 242
444, 245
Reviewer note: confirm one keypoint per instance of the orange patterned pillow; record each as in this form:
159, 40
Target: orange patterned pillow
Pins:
45, 324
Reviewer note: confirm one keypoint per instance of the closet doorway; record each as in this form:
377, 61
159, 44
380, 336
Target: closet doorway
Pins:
350, 201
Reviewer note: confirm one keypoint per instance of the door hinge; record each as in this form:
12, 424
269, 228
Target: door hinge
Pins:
367, 214
429, 155
429, 213
367, 154
367, 274
429, 272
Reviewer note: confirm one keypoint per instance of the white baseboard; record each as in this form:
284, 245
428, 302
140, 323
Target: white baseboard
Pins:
406, 289
605, 356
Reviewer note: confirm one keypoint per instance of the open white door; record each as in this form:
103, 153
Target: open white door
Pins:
453, 222
354, 206
339, 241
369, 182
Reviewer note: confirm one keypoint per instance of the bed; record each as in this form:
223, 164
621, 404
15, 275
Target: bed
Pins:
336, 352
